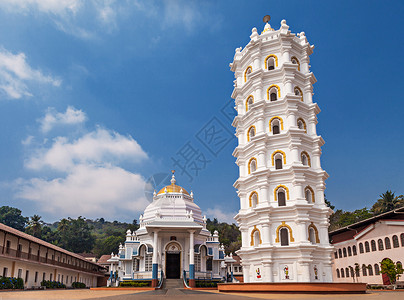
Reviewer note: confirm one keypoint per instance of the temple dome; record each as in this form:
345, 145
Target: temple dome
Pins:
172, 201
173, 188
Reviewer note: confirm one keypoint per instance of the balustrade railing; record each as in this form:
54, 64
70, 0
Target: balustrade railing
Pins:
27, 256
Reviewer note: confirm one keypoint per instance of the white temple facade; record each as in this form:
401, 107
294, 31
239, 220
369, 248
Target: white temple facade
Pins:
283, 217
172, 238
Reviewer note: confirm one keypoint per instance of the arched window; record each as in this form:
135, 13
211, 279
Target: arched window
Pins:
339, 253
395, 241
402, 239
370, 270
360, 248
357, 271
364, 270
347, 272
367, 248
284, 236
373, 245
313, 234
247, 73
253, 199
250, 133
252, 165
301, 124
273, 92
309, 194
342, 273
276, 155
275, 124
278, 162
281, 198
249, 102
271, 64
344, 251
255, 237
298, 92
380, 244
338, 276
352, 271
336, 255
271, 61
387, 243
280, 234
295, 61
377, 269
399, 264
281, 189
349, 251
305, 157
354, 250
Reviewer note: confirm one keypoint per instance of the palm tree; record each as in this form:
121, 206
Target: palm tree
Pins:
35, 226
387, 201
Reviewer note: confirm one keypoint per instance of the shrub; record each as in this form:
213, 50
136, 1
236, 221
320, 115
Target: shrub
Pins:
206, 283
78, 285
52, 284
133, 283
11, 283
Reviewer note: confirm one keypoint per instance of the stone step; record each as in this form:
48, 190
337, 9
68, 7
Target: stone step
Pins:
173, 284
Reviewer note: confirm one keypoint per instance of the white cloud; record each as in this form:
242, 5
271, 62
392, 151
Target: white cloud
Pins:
16, 74
87, 19
83, 175
46, 6
28, 140
70, 117
219, 214
184, 13
90, 191
97, 147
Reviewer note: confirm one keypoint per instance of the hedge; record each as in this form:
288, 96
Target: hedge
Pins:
133, 283
11, 283
53, 284
78, 285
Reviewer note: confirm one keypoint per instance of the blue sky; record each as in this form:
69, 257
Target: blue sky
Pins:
97, 97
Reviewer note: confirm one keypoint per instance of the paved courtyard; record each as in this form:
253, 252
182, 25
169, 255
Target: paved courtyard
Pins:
179, 294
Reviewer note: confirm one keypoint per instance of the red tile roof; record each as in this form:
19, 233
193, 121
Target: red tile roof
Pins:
103, 259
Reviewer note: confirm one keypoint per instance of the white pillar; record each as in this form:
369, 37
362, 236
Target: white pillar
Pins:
265, 233
191, 258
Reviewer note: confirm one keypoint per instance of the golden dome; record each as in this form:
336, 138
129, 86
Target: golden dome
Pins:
173, 188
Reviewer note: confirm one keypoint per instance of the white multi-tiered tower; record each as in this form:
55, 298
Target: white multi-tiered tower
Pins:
283, 216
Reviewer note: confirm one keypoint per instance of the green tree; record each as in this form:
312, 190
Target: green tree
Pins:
342, 218
12, 217
75, 235
387, 201
34, 226
391, 269
108, 245
229, 235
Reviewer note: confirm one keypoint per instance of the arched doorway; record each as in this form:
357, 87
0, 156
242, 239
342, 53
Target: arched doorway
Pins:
173, 260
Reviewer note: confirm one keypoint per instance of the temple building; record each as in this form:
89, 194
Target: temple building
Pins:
283, 217
172, 242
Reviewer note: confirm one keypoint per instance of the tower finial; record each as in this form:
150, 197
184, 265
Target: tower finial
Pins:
267, 18
173, 177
